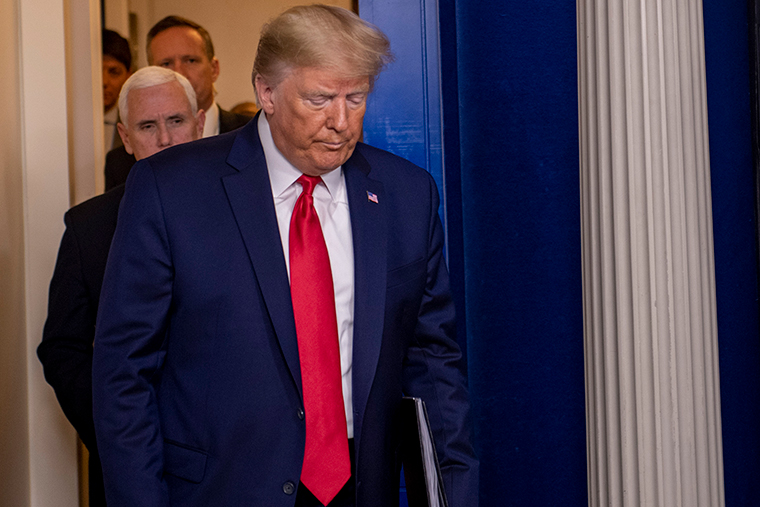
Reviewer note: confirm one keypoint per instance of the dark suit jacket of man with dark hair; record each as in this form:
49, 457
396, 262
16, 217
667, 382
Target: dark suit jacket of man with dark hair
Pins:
197, 393
66, 348
119, 162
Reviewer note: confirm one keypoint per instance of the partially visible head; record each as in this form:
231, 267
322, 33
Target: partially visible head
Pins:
321, 36
158, 109
185, 47
245, 108
313, 71
117, 62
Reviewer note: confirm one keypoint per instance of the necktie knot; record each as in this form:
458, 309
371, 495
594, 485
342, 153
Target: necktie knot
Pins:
308, 183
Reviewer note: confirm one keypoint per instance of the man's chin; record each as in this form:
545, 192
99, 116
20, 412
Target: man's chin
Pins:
327, 164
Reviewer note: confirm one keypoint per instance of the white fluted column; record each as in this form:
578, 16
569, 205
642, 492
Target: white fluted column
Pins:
652, 386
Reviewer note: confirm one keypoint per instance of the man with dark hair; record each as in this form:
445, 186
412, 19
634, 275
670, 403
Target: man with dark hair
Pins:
271, 295
183, 46
158, 110
117, 66
186, 47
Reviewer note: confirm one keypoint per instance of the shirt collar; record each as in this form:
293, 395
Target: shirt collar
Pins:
282, 174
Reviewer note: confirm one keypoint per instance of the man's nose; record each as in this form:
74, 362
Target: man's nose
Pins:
182, 69
164, 138
338, 116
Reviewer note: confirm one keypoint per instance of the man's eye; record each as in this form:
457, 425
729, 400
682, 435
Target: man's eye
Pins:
356, 100
317, 101
148, 126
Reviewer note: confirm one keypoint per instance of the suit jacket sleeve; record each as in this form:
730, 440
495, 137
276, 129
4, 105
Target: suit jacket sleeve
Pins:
66, 348
129, 348
433, 371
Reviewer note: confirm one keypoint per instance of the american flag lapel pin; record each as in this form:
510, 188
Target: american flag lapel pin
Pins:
371, 197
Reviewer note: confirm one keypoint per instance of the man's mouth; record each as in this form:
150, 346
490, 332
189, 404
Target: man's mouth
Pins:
334, 145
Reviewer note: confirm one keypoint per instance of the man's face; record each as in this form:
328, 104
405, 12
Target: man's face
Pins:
158, 117
114, 75
181, 49
315, 117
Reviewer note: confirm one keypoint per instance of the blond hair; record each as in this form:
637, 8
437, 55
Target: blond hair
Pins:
322, 36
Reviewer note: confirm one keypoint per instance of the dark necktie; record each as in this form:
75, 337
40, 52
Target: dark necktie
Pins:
326, 464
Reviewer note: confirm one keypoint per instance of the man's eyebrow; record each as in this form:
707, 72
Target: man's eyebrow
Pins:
182, 56
318, 93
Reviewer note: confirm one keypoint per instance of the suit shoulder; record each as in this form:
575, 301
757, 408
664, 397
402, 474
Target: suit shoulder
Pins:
119, 155
106, 204
201, 149
190, 165
392, 168
118, 165
197, 158
94, 220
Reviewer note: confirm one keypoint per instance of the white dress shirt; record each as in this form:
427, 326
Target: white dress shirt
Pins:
331, 203
211, 127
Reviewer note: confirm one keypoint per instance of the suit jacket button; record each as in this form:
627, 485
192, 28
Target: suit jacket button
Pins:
300, 414
289, 488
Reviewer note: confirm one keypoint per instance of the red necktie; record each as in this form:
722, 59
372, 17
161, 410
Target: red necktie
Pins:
326, 464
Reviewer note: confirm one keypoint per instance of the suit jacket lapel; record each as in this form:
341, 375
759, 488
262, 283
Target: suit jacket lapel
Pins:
368, 225
250, 196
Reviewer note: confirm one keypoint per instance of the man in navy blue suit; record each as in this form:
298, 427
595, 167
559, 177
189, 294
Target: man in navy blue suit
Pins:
208, 388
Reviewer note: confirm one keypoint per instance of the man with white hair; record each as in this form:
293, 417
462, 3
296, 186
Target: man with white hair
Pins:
158, 109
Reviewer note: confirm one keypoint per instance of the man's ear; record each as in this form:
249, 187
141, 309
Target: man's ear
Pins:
124, 137
201, 117
214, 69
264, 93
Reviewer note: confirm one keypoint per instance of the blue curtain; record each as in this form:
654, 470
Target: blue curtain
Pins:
734, 228
506, 90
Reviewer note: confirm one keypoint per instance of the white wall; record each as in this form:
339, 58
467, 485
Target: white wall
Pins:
37, 445
14, 466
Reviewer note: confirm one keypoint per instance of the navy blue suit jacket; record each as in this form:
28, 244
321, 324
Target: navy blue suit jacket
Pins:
196, 378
